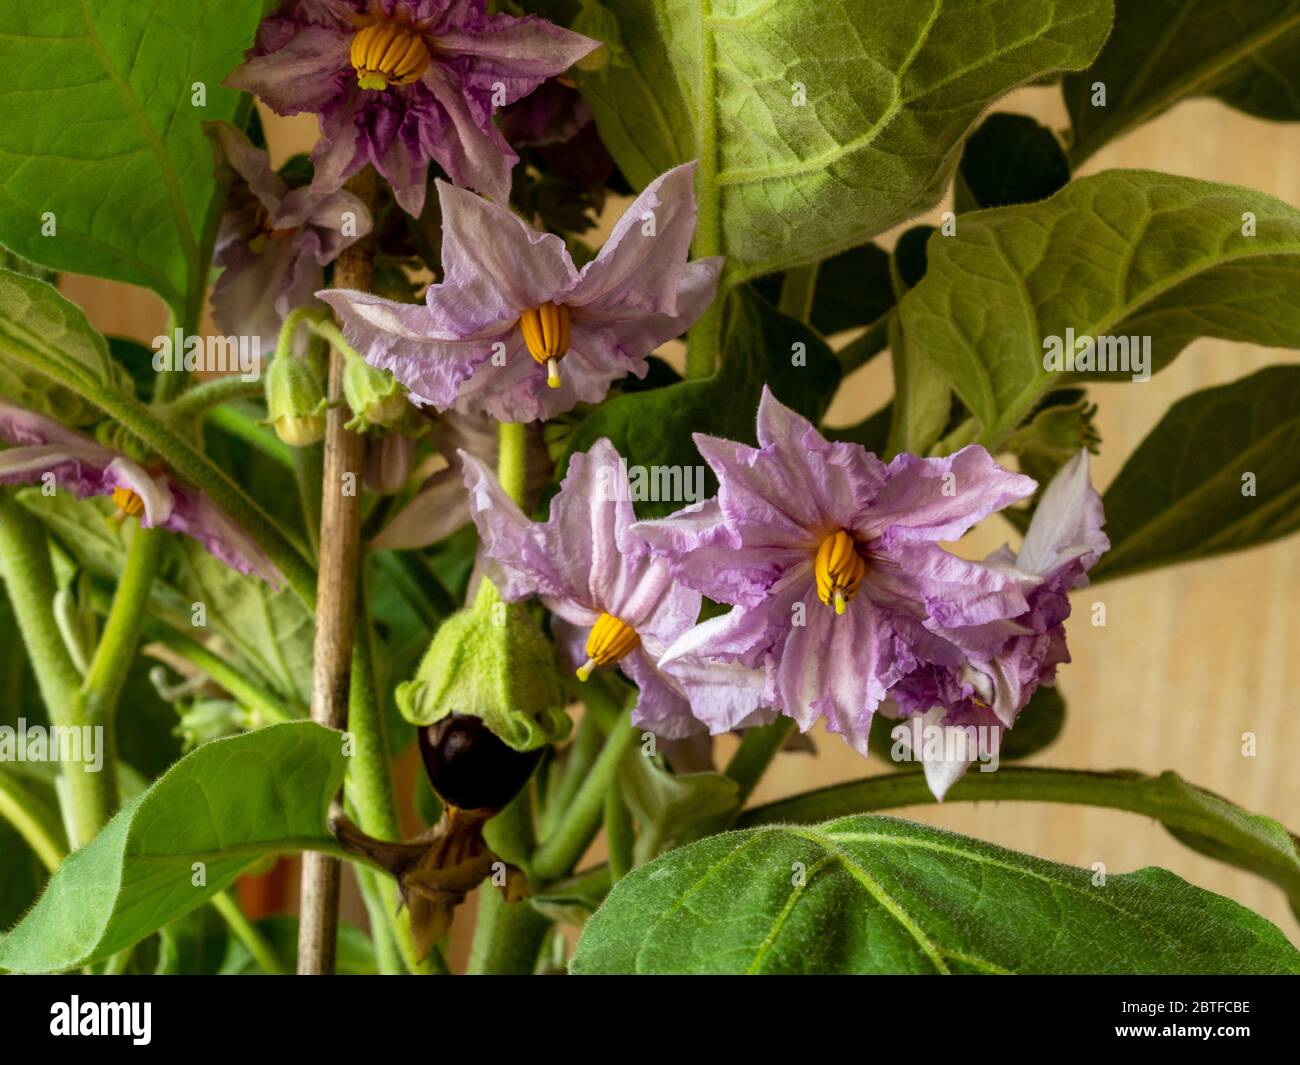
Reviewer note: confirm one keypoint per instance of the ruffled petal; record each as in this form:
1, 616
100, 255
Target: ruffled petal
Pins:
196, 516
517, 54
639, 269
1067, 523
939, 499
306, 73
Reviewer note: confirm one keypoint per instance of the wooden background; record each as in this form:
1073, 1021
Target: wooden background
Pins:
1190, 658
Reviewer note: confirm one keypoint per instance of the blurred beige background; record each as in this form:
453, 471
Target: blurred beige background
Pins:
1190, 658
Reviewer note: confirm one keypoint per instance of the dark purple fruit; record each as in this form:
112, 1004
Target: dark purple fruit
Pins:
470, 767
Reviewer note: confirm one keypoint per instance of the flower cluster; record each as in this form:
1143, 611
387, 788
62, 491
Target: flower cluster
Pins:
842, 597
402, 83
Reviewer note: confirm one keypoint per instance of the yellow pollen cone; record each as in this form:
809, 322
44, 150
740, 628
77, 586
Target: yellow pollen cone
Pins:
546, 333
609, 640
389, 53
838, 568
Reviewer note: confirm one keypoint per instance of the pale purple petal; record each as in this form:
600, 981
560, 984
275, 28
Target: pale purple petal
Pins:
305, 73
517, 54
939, 499
639, 269
1067, 523
154, 490
198, 517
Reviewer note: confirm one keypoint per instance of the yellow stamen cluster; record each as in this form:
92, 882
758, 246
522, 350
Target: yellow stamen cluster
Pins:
839, 569
546, 332
610, 640
127, 502
389, 53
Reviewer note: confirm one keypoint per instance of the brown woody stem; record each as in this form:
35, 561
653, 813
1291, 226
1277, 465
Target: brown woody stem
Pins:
336, 589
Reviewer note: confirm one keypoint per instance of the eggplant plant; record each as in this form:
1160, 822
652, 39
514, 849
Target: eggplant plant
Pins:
494, 429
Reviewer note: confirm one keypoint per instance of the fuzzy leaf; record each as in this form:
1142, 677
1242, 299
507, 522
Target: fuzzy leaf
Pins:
1166, 258
877, 895
102, 136
816, 132
1245, 52
226, 805
35, 318
1183, 494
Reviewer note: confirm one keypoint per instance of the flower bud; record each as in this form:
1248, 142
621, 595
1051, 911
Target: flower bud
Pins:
490, 661
295, 400
389, 459
374, 396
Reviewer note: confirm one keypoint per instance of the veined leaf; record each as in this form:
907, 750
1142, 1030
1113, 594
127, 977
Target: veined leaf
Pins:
190, 834
1221, 472
1126, 255
34, 316
1245, 52
816, 132
878, 895
103, 139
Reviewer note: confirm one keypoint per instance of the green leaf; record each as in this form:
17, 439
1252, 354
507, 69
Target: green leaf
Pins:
653, 429
1037, 726
102, 133
269, 630
1010, 159
878, 895
1166, 259
815, 133
1199, 818
83, 526
226, 805
1245, 52
1221, 472
34, 316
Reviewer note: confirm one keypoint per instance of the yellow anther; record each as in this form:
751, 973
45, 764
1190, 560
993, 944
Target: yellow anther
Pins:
839, 569
389, 53
610, 640
546, 332
127, 502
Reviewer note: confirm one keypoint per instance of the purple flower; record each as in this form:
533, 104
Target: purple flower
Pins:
87, 468
612, 601
985, 675
398, 83
830, 557
515, 330
274, 242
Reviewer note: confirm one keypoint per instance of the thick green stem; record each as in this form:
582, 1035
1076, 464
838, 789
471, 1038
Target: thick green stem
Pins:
203, 397
755, 754
798, 289
87, 798
577, 763
861, 350
618, 832
246, 932
512, 459
508, 937
102, 687
564, 847
388, 958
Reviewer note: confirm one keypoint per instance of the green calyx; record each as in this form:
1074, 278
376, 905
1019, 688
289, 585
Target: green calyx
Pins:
296, 400
492, 661
374, 396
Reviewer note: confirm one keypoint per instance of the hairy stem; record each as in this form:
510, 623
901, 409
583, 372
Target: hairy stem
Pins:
564, 847
102, 687
512, 459
798, 288
508, 938
336, 586
87, 799
203, 397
